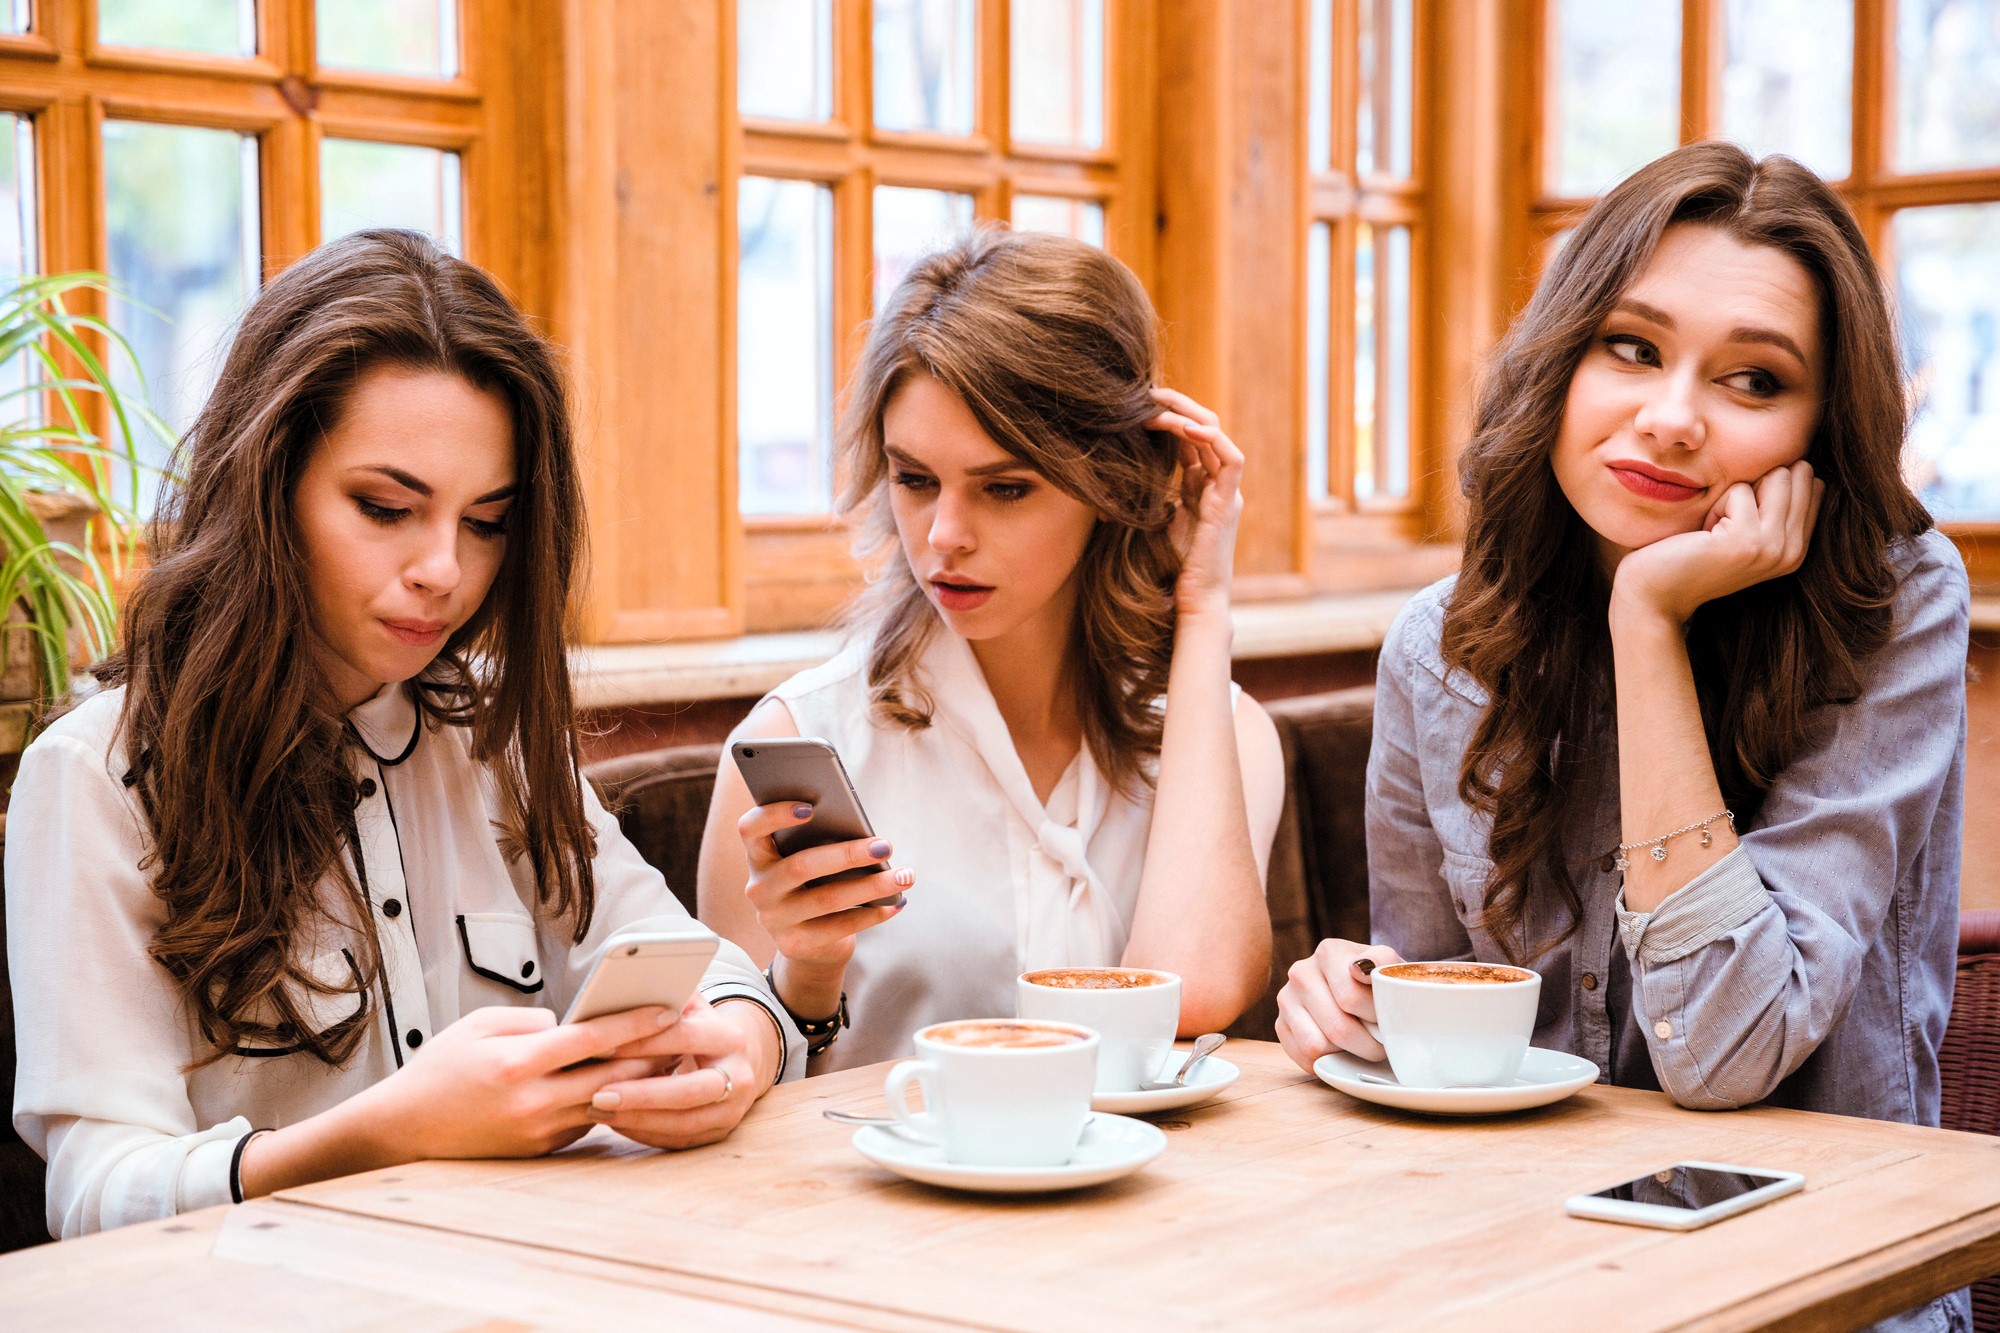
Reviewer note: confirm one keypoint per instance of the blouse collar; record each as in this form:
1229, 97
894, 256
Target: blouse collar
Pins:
388, 723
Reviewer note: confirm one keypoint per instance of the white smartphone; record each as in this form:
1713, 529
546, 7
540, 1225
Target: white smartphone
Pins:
1686, 1195
806, 768
640, 969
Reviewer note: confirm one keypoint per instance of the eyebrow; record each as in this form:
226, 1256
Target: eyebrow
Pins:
411, 482
1742, 333
984, 470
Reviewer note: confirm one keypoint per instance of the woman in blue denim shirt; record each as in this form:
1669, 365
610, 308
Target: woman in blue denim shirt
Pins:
1687, 732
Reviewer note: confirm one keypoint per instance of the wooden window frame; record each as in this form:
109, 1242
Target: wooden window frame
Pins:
1873, 187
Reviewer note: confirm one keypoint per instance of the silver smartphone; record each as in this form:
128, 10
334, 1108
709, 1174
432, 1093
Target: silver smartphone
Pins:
806, 768
1686, 1195
637, 969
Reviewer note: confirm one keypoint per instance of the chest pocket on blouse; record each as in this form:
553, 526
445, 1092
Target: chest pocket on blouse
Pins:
1467, 878
323, 1014
501, 947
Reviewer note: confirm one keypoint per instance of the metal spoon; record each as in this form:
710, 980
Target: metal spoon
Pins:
1204, 1046
889, 1123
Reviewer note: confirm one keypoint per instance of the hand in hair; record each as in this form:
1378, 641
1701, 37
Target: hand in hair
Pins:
1325, 1000
1210, 506
719, 1058
1751, 535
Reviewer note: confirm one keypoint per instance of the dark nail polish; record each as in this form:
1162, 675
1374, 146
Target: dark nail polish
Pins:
802, 811
879, 849
1364, 965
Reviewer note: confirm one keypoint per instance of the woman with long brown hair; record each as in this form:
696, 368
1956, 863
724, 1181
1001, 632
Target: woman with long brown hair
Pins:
1686, 732
303, 893
1035, 704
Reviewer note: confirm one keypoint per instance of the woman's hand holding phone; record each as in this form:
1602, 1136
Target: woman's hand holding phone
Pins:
1326, 999
815, 926
705, 1073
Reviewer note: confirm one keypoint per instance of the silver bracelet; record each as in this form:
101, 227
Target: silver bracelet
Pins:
1659, 844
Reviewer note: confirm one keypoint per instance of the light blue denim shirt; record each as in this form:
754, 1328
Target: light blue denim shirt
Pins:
1810, 968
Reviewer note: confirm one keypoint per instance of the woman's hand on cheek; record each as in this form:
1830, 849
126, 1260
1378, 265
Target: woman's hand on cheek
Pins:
1211, 503
717, 1061
1751, 535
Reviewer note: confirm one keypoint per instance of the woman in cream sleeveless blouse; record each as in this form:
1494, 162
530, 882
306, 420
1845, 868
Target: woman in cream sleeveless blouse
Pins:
1039, 667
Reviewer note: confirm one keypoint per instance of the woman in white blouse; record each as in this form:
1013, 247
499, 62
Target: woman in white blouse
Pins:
304, 893
1035, 704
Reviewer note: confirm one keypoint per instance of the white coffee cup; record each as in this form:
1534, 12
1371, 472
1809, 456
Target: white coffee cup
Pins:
1136, 1022
998, 1091
1453, 1024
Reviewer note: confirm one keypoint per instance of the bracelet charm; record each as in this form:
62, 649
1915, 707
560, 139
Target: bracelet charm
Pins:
1659, 844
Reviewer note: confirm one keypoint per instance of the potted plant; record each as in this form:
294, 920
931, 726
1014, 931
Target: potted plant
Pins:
59, 478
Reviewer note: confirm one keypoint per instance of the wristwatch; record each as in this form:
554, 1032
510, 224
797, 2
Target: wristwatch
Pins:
820, 1033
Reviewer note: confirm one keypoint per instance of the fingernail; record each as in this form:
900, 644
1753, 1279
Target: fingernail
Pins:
606, 1101
905, 877
665, 1018
803, 810
1364, 965
879, 848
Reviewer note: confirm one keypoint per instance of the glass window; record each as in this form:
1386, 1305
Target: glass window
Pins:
416, 37
784, 59
1057, 75
1947, 84
212, 27
364, 184
1319, 87
1616, 77
1319, 325
1393, 412
925, 65
1383, 129
1081, 218
19, 248
1788, 79
1365, 325
909, 224
17, 16
1948, 289
180, 221
784, 347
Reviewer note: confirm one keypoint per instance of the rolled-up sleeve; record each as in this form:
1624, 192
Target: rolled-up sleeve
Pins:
99, 1089
1410, 908
632, 895
1743, 972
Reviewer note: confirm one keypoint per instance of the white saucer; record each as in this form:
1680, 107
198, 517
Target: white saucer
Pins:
1112, 1146
1205, 1080
1546, 1076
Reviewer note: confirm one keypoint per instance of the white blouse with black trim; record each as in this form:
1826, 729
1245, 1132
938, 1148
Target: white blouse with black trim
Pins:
102, 1090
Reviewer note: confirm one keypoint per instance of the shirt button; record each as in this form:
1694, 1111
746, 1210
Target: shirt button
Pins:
367, 788
392, 909
414, 1040
1590, 981
1663, 1029
528, 968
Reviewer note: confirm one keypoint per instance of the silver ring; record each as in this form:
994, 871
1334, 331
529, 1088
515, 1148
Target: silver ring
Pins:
728, 1086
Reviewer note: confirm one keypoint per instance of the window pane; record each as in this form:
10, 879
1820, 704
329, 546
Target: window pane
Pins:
1948, 286
1393, 413
784, 347
417, 37
1319, 87
212, 27
1057, 76
1617, 96
1319, 326
1364, 361
19, 248
1787, 80
365, 184
909, 224
924, 70
1080, 218
1382, 130
16, 16
180, 220
784, 59
1948, 84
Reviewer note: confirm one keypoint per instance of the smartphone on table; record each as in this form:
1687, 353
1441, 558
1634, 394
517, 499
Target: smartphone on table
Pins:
638, 969
806, 768
1686, 1195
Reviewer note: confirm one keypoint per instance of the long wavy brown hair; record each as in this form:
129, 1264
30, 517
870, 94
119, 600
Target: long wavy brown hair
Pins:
1527, 619
238, 750
1055, 348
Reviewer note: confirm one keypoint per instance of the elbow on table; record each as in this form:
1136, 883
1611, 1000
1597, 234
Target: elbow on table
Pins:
1720, 1089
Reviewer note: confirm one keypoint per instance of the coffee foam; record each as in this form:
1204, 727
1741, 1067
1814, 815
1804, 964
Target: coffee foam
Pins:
1094, 978
1002, 1034
1456, 974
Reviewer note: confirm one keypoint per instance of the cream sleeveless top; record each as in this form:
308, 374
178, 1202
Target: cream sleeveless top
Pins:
1005, 883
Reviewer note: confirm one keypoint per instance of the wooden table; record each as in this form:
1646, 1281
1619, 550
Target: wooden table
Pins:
1283, 1203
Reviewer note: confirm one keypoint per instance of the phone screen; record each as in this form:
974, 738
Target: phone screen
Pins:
1688, 1187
